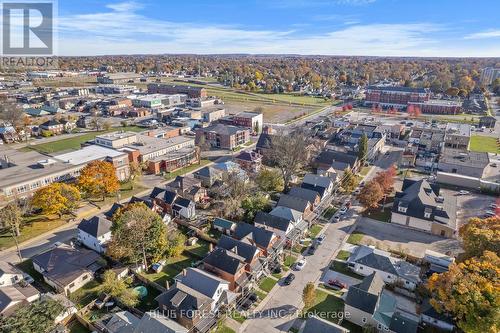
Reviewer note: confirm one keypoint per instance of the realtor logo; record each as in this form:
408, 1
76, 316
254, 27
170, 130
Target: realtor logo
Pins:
27, 28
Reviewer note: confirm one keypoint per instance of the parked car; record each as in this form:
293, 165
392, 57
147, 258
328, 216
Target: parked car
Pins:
336, 284
343, 210
362, 184
320, 239
463, 192
440, 199
493, 206
336, 217
253, 297
312, 249
493, 165
299, 265
246, 305
348, 204
289, 278
28, 278
277, 269
356, 191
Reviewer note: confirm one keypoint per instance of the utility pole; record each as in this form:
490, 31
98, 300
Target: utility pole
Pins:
17, 244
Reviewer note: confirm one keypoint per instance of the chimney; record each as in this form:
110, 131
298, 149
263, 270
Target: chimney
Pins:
184, 272
210, 247
167, 284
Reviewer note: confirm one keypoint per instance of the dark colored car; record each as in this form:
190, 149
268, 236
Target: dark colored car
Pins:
337, 284
312, 248
253, 297
290, 277
277, 270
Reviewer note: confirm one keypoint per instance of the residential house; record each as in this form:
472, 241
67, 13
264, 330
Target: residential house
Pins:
229, 266
287, 213
420, 207
184, 207
338, 160
188, 187
457, 136
94, 233
111, 212
280, 226
311, 196
208, 175
368, 303
66, 268
224, 226
249, 160
209, 285
365, 260
54, 126
304, 206
250, 252
320, 184
9, 274
14, 291
188, 307
431, 318
152, 322
173, 204
260, 237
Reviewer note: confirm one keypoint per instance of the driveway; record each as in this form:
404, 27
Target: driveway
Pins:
387, 235
333, 275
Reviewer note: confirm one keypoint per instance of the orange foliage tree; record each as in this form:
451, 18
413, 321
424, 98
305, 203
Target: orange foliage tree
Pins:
98, 178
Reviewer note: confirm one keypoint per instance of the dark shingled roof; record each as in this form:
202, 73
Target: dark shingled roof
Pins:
329, 157
304, 193
160, 193
242, 249
293, 202
183, 202
109, 214
318, 189
260, 236
264, 141
364, 295
95, 226
225, 260
183, 298
398, 88
403, 324
272, 221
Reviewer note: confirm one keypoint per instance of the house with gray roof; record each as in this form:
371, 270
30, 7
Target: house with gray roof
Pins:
365, 260
258, 236
419, 206
229, 266
319, 181
209, 285
287, 213
369, 304
301, 205
319, 325
94, 233
151, 322
223, 225
190, 308
66, 268
303, 193
280, 226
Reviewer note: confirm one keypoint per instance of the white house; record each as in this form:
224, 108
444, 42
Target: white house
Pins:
9, 275
366, 260
94, 233
184, 207
279, 225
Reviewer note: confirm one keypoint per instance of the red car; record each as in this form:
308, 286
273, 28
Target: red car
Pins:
348, 204
337, 284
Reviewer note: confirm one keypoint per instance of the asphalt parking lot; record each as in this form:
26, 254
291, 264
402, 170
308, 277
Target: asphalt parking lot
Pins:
471, 205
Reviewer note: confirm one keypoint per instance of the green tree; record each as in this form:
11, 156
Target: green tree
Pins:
309, 295
348, 180
36, 317
363, 148
269, 180
11, 217
470, 292
118, 289
253, 204
138, 234
176, 243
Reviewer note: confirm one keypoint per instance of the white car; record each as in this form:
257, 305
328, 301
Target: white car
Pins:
463, 192
28, 278
336, 217
343, 210
299, 265
493, 206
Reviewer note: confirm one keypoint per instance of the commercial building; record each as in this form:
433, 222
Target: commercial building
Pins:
251, 120
436, 106
489, 74
168, 89
114, 89
223, 136
118, 78
399, 97
466, 163
457, 136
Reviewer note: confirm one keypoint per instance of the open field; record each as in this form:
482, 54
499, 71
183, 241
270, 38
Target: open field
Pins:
74, 143
487, 144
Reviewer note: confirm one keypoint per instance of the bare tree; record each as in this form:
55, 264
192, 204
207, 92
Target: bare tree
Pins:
11, 113
233, 189
289, 154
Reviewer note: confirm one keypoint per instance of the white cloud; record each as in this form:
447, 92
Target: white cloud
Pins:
122, 30
484, 34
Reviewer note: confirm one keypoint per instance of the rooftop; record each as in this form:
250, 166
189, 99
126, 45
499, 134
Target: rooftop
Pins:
88, 154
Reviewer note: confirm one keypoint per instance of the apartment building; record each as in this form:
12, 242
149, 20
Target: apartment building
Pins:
168, 89
457, 136
399, 97
437, 106
223, 136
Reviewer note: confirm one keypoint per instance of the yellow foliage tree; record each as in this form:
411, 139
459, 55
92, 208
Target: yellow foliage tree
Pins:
56, 198
98, 178
479, 235
470, 291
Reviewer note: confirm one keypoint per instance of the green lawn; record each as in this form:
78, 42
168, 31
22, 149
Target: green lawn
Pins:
355, 238
33, 227
383, 216
173, 267
185, 170
341, 267
200, 249
85, 294
74, 143
343, 255
329, 212
289, 260
315, 230
331, 290
260, 294
486, 144
224, 329
327, 306
267, 284
238, 316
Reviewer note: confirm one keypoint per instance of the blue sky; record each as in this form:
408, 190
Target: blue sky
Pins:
330, 27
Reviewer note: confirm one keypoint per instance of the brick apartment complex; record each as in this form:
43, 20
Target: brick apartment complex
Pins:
398, 97
438, 106
223, 136
170, 89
